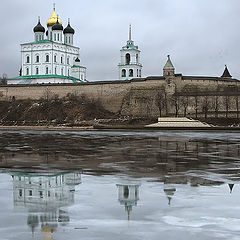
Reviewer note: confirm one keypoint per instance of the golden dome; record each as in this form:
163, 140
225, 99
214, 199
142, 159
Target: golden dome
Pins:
53, 19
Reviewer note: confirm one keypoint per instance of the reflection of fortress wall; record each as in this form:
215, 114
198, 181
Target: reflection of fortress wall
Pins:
43, 192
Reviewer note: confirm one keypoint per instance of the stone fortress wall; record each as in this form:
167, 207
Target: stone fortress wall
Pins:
145, 97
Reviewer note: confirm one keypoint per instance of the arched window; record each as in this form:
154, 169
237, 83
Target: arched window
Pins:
123, 73
28, 59
128, 58
126, 192
55, 37
37, 71
137, 59
58, 37
62, 59
68, 72
62, 71
140, 73
37, 59
27, 71
46, 70
55, 58
68, 60
47, 58
130, 72
137, 72
55, 70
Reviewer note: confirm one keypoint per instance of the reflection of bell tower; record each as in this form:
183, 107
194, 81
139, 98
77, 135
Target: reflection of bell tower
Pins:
128, 195
230, 185
169, 191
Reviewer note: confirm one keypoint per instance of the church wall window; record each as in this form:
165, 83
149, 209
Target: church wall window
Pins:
62, 59
137, 72
68, 60
58, 37
55, 37
128, 58
68, 72
55, 70
46, 70
27, 59
137, 58
123, 73
30, 193
37, 59
41, 194
55, 58
37, 71
130, 72
20, 192
126, 192
47, 58
27, 71
62, 71
140, 73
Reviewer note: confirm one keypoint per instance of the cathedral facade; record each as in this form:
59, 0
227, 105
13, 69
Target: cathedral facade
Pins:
51, 57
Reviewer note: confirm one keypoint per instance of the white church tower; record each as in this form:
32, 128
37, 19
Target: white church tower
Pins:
130, 66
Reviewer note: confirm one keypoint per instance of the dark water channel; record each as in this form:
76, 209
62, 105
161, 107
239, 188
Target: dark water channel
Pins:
119, 185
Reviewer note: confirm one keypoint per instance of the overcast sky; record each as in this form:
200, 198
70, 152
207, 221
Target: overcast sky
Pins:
200, 35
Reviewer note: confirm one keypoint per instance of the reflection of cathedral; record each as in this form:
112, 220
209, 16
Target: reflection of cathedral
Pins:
44, 195
128, 195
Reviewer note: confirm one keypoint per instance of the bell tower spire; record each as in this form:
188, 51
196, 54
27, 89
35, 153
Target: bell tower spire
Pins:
130, 32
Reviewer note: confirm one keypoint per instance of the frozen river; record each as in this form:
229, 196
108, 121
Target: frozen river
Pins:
119, 185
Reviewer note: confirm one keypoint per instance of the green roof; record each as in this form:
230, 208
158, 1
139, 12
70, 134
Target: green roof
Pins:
75, 80
42, 41
169, 64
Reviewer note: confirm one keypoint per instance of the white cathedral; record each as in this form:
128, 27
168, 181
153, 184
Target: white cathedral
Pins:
51, 59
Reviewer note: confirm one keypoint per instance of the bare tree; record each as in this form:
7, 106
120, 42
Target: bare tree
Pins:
184, 102
196, 104
236, 99
227, 104
216, 105
161, 101
176, 102
3, 79
206, 105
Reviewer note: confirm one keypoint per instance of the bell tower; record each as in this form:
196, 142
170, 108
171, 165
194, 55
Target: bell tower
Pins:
130, 66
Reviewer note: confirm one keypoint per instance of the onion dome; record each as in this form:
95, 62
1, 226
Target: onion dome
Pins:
57, 26
77, 60
39, 27
69, 29
53, 19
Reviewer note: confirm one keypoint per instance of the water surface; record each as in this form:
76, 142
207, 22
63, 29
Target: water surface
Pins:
119, 185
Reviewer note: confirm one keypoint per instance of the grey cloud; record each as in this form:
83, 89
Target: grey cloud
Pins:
201, 36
